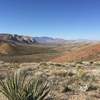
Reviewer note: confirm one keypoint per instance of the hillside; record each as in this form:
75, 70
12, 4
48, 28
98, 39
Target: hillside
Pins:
91, 52
7, 49
26, 53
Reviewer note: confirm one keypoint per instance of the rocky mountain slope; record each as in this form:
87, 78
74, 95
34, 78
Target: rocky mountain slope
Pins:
16, 39
28, 40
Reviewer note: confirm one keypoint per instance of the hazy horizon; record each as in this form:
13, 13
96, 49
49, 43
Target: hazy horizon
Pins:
68, 19
46, 36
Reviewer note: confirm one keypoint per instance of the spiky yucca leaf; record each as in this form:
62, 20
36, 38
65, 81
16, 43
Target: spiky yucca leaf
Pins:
19, 87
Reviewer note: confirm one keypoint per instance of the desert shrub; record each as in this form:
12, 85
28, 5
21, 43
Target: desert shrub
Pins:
80, 72
2, 76
92, 87
43, 64
19, 86
14, 65
58, 65
80, 82
66, 89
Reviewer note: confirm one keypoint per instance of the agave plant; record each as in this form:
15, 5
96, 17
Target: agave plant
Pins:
19, 87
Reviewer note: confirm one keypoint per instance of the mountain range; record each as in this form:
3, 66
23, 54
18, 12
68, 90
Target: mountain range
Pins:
13, 38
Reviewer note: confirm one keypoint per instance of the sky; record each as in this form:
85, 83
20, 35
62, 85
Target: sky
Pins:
68, 19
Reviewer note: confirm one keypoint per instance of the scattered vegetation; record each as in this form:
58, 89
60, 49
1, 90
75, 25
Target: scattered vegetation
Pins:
81, 81
52, 80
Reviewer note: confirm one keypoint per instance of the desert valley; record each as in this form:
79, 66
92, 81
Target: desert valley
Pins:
71, 67
49, 49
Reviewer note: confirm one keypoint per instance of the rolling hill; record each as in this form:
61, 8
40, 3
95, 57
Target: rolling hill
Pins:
90, 52
7, 49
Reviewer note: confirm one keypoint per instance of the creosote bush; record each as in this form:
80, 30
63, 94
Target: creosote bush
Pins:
19, 86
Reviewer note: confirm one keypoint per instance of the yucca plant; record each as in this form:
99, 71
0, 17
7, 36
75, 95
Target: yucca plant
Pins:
19, 86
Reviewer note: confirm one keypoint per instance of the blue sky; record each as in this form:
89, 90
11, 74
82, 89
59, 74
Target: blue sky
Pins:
70, 19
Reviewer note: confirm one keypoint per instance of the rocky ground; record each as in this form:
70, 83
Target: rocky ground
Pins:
68, 81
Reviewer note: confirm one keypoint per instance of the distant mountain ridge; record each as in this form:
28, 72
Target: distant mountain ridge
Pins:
14, 38
48, 40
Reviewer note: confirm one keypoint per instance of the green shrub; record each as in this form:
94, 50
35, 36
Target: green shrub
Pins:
19, 86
